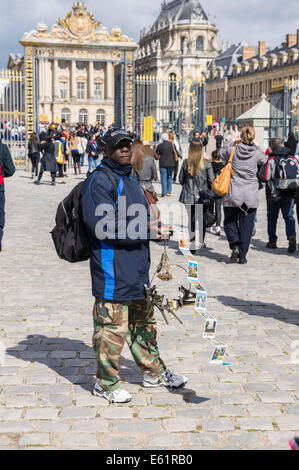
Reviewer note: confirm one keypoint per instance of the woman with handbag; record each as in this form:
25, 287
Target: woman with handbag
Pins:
195, 175
241, 201
144, 166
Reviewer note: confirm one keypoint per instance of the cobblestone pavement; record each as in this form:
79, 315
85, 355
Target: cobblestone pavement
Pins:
47, 366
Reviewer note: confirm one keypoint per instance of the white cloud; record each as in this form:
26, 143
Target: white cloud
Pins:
237, 20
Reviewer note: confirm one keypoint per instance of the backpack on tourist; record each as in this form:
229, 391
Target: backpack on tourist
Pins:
286, 173
69, 234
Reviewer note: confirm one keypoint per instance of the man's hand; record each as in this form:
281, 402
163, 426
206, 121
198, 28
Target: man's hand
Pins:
165, 232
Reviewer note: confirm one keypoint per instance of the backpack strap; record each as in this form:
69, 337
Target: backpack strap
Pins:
112, 180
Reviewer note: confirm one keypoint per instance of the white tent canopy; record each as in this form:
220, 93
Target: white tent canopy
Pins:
259, 117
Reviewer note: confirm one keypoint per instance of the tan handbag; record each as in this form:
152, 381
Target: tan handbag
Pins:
221, 184
176, 157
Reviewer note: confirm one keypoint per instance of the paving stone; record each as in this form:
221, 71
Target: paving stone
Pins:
276, 397
10, 415
36, 439
172, 440
258, 387
94, 425
21, 401
200, 439
257, 424
137, 426
217, 424
179, 424
76, 413
288, 423
41, 413
246, 440
74, 441
228, 411
117, 412
14, 426
55, 427
261, 409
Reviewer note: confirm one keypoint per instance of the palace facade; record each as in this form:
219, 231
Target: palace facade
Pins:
181, 39
242, 74
75, 65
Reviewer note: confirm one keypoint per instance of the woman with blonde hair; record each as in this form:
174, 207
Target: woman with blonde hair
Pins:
195, 176
241, 201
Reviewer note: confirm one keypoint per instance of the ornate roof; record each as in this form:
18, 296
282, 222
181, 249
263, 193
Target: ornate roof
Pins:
182, 11
78, 26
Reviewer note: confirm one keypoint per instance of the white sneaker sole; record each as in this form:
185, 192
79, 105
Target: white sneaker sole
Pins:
161, 384
101, 395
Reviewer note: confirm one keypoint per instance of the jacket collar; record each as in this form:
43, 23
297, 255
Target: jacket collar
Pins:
121, 170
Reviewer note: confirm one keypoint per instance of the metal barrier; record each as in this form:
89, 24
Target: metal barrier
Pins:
161, 105
12, 115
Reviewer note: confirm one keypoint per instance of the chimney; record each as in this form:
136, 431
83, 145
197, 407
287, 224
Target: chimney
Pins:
248, 52
262, 48
291, 40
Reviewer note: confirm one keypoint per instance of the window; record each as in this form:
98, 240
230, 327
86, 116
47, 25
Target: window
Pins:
98, 87
62, 64
65, 115
251, 90
199, 43
83, 116
100, 117
80, 90
183, 43
97, 66
80, 65
63, 90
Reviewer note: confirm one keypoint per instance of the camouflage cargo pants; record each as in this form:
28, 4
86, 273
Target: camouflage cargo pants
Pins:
115, 323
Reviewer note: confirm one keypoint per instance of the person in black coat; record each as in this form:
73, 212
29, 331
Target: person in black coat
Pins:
48, 160
166, 164
217, 165
195, 177
7, 169
291, 143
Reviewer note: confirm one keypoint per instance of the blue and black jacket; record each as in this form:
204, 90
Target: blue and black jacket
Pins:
119, 264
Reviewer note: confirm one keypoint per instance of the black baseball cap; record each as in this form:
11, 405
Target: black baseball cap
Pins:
114, 136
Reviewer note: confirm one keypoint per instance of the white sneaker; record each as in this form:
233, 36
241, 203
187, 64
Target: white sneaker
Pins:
117, 396
167, 379
217, 230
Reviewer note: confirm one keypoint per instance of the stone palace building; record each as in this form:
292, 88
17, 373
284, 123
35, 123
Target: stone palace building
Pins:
181, 39
75, 65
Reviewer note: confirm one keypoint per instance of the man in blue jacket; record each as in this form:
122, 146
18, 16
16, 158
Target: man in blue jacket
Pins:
7, 169
120, 263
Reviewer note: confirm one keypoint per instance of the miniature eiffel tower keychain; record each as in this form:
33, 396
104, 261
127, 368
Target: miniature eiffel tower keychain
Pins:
163, 269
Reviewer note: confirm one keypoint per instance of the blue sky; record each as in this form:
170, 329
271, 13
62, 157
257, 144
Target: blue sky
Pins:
237, 20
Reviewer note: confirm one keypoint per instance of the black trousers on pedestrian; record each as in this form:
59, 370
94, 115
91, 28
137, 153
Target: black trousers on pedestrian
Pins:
34, 157
238, 227
218, 205
60, 170
194, 216
41, 172
176, 169
2, 216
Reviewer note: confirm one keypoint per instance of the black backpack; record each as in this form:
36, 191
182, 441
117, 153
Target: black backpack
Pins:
69, 234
